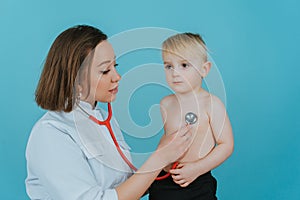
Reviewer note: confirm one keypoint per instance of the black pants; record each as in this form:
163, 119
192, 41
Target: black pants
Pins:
202, 188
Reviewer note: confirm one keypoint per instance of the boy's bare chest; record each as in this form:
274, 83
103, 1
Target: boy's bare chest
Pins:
202, 135
175, 118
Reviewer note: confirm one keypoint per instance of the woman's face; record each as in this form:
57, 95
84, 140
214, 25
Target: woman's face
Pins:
104, 79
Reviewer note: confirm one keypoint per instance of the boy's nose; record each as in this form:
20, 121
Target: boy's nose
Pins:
175, 72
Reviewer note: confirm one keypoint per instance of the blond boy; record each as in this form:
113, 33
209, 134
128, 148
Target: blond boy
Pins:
186, 64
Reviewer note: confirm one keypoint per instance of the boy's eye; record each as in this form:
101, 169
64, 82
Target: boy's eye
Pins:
185, 65
116, 65
168, 67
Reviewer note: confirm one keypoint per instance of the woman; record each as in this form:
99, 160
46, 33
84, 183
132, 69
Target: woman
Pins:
70, 156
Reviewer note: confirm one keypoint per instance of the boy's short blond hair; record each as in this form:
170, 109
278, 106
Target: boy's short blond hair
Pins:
186, 43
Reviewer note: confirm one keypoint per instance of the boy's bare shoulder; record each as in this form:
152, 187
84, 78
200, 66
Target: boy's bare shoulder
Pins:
216, 100
167, 100
213, 104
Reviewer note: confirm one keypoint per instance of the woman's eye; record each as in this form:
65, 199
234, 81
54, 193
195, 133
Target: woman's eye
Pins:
108, 70
105, 72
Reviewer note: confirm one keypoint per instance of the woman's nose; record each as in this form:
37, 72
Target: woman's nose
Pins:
116, 76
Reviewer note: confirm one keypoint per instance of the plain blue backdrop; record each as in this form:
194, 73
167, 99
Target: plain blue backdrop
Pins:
255, 44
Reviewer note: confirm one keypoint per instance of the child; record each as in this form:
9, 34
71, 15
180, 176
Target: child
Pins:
185, 62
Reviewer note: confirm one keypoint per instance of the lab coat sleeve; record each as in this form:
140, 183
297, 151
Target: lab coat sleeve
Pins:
62, 167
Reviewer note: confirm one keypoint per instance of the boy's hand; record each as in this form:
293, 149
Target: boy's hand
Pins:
185, 173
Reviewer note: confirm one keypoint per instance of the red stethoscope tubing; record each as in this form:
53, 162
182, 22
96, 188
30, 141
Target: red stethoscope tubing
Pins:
108, 126
167, 174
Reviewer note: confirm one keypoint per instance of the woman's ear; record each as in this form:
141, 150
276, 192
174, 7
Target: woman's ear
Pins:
79, 88
204, 70
79, 91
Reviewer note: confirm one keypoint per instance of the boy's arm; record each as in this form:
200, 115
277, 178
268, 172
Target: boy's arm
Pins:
222, 131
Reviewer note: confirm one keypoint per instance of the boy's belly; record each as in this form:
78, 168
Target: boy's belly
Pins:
202, 143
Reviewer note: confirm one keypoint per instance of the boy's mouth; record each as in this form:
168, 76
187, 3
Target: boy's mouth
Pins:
177, 82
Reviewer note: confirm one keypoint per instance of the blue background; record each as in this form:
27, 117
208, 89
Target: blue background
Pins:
255, 43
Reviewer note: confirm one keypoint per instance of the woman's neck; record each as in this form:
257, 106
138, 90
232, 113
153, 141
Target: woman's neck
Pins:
92, 103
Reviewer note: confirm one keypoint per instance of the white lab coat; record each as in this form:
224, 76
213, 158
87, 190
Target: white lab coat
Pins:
70, 157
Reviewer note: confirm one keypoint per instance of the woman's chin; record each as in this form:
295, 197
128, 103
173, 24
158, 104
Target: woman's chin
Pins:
111, 99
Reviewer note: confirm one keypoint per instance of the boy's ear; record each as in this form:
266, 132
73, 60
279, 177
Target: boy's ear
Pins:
205, 69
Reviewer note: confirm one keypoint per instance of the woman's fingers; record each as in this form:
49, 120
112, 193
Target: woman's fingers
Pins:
183, 139
173, 146
184, 134
184, 130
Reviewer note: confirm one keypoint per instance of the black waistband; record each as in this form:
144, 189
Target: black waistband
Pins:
203, 187
169, 180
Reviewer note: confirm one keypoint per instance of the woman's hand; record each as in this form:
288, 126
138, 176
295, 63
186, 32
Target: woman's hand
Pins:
173, 146
185, 173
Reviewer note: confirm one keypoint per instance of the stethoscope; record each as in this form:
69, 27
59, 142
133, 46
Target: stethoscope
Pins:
190, 118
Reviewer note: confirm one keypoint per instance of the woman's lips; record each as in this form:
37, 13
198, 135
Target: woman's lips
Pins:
114, 90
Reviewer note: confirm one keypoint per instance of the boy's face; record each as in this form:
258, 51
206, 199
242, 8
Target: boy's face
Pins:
183, 72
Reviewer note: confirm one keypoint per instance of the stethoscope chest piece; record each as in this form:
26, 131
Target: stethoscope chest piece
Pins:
191, 118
